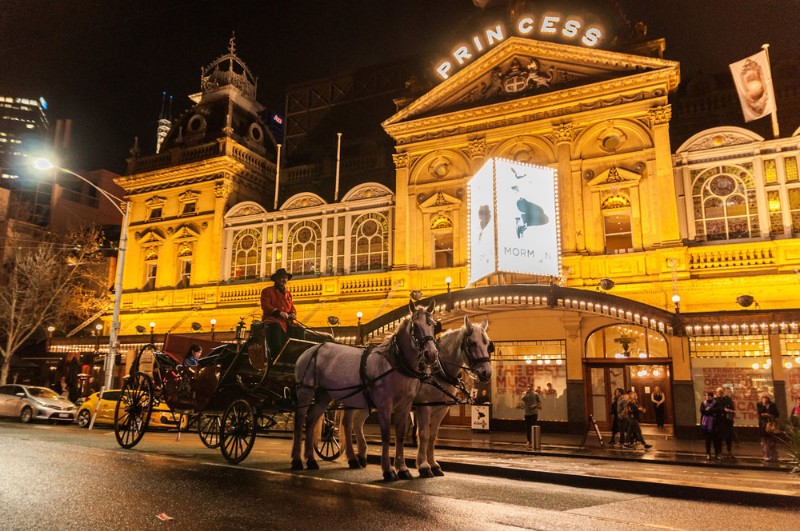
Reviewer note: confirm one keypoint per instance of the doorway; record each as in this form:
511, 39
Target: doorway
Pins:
602, 378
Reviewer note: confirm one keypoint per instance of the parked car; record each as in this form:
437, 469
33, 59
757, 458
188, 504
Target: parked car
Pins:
161, 416
27, 403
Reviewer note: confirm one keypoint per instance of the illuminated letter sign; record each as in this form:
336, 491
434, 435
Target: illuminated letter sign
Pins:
514, 223
549, 26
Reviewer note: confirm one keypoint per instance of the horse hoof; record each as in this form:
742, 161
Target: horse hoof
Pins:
312, 465
390, 476
425, 473
437, 471
297, 464
353, 463
404, 474
362, 461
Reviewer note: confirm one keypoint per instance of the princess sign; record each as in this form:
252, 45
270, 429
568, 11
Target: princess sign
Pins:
513, 220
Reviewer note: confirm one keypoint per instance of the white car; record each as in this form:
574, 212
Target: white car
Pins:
27, 403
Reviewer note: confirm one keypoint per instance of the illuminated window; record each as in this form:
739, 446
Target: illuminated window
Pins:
724, 199
775, 215
370, 243
790, 165
617, 224
185, 272
246, 254
770, 172
150, 271
304, 249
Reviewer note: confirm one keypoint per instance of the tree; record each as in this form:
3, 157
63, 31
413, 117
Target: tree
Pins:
39, 282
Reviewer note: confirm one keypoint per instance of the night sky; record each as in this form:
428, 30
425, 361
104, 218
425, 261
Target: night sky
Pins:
105, 63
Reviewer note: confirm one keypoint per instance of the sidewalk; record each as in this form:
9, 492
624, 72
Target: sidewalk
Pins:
671, 467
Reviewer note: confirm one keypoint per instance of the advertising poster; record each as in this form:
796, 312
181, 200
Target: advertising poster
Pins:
527, 233
480, 418
747, 383
513, 220
482, 224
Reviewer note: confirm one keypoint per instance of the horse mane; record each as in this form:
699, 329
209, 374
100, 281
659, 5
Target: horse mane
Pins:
450, 343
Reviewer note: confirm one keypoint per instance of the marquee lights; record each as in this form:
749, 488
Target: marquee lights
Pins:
570, 28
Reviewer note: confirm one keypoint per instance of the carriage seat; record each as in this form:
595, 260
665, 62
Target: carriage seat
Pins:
176, 346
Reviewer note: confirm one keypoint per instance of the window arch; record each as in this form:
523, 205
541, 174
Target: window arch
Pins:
304, 248
246, 254
724, 200
370, 243
617, 225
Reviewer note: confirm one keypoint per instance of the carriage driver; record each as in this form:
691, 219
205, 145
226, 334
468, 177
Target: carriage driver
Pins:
279, 311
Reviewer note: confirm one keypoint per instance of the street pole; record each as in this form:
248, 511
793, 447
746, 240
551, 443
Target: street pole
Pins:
113, 342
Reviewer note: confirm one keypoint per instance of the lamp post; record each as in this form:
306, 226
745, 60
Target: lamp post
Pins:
152, 332
359, 315
213, 323
98, 327
448, 281
44, 164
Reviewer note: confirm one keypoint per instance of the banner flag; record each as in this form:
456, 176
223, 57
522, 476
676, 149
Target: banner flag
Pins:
753, 80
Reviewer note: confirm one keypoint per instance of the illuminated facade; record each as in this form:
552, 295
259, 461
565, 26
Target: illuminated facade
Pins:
656, 244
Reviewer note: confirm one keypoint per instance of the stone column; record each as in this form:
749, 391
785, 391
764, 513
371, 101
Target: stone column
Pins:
666, 218
569, 193
403, 205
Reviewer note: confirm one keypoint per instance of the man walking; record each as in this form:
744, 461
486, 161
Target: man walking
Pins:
532, 404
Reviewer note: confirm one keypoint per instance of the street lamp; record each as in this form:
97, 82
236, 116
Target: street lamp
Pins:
359, 315
113, 343
97, 327
152, 332
213, 323
448, 281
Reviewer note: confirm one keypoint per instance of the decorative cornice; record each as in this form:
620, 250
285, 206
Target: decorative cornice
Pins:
660, 115
563, 133
400, 160
477, 148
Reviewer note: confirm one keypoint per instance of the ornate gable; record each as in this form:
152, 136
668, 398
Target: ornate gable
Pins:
520, 68
440, 202
719, 137
615, 178
303, 200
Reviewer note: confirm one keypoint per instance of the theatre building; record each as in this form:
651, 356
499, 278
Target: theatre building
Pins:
533, 182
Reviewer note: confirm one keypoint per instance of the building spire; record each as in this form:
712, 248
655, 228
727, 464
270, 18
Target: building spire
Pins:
164, 121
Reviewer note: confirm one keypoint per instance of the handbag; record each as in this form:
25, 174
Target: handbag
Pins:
772, 428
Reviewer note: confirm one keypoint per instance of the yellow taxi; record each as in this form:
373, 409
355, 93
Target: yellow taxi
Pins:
161, 416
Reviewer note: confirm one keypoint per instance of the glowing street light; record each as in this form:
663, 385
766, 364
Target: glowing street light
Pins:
213, 324
152, 332
359, 315
113, 336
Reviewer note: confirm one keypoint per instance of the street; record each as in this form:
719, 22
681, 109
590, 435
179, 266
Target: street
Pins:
57, 477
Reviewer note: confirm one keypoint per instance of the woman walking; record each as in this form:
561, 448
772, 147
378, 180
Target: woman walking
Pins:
767, 413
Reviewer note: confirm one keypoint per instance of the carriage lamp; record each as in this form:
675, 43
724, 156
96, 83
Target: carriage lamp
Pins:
152, 332
213, 324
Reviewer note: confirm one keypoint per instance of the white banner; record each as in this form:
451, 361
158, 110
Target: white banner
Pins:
753, 80
513, 220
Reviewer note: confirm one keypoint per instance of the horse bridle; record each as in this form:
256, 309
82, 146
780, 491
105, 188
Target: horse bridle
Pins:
418, 344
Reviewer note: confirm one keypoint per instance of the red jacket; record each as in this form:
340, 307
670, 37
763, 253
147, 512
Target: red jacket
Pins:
273, 301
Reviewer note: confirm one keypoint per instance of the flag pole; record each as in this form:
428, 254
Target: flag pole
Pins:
774, 115
338, 153
277, 177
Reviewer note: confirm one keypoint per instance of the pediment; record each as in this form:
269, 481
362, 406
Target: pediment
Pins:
521, 68
440, 202
615, 177
245, 209
719, 137
303, 200
186, 232
150, 237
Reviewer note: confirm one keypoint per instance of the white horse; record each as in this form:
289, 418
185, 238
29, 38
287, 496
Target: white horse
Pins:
467, 348
386, 377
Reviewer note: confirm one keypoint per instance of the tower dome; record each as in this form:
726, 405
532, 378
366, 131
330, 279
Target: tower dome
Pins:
229, 70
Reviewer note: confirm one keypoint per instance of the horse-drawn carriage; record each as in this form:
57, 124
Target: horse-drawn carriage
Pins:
234, 393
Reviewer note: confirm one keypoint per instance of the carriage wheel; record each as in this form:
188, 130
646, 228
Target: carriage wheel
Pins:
238, 431
209, 428
327, 447
132, 413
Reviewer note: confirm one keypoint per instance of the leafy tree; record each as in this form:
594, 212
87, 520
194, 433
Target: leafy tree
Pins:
40, 283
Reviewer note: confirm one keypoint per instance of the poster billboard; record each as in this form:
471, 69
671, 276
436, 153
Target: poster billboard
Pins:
518, 204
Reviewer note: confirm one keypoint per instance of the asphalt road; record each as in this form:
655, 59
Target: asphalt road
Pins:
64, 477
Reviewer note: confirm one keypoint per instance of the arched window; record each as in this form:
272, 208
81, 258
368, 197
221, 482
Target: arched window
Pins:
617, 223
724, 199
304, 248
370, 243
246, 254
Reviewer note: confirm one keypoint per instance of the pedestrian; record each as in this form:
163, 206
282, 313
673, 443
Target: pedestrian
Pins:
659, 406
194, 352
634, 429
726, 415
795, 416
709, 425
622, 418
532, 404
279, 311
483, 398
767, 412
615, 417
550, 391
